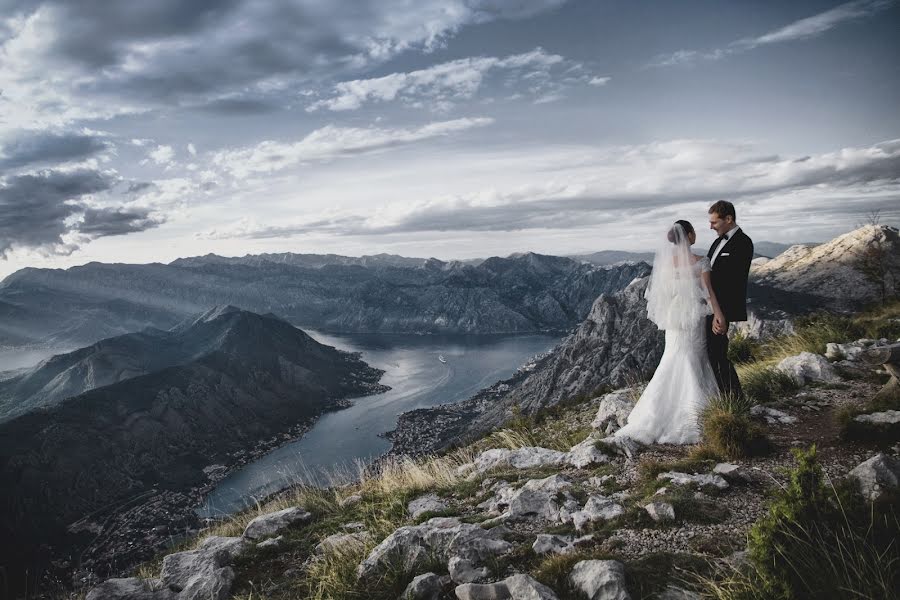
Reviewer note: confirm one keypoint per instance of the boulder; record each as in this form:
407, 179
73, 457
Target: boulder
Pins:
441, 538
424, 504
528, 457
350, 500
586, 454
772, 415
600, 579
621, 445
546, 543
525, 587
463, 571
597, 508
878, 477
514, 587
545, 499
204, 573
271, 542
704, 479
661, 512
807, 367
613, 411
271, 524
732, 472
427, 586
886, 419
131, 588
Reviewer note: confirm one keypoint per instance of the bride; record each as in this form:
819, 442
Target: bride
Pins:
679, 297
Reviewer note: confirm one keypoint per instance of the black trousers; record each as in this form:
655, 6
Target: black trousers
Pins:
717, 350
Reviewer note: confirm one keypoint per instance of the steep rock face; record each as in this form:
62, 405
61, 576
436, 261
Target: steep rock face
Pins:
257, 377
530, 292
836, 270
615, 344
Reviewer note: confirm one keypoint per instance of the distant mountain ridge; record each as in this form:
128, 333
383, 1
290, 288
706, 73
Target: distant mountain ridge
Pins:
231, 379
531, 292
616, 344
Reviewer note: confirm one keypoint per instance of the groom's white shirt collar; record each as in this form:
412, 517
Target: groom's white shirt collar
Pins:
722, 243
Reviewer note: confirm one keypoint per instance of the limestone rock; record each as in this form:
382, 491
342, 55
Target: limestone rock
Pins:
525, 587
613, 411
886, 419
597, 508
271, 542
772, 415
831, 270
131, 588
621, 445
600, 579
545, 499
424, 504
586, 454
483, 591
546, 543
350, 500
878, 477
660, 511
807, 367
463, 571
204, 573
271, 524
441, 538
427, 586
732, 472
701, 480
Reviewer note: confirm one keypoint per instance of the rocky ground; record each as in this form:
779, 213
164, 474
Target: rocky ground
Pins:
539, 520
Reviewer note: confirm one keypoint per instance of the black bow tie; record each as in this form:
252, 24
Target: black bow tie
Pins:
723, 237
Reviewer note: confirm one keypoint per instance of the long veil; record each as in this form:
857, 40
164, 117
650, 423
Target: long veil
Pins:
675, 297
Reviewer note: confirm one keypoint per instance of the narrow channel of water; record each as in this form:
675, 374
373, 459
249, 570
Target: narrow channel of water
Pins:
418, 379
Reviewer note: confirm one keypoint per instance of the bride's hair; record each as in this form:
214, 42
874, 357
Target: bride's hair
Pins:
685, 226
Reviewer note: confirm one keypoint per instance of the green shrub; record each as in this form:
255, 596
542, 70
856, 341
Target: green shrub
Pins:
819, 542
764, 384
732, 435
742, 349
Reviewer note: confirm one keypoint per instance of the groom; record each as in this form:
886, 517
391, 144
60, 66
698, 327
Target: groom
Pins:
730, 256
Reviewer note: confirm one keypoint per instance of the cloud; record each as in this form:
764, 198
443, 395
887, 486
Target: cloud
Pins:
598, 81
52, 211
25, 148
588, 188
798, 30
332, 142
444, 83
162, 155
229, 55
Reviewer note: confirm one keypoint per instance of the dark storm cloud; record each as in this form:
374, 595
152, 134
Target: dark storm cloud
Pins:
38, 209
42, 148
176, 52
115, 221
238, 106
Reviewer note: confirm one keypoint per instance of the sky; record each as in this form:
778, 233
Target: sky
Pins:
146, 131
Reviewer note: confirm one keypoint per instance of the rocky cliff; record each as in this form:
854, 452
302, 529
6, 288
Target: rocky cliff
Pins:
859, 267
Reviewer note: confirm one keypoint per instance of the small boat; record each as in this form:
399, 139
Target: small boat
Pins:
441, 358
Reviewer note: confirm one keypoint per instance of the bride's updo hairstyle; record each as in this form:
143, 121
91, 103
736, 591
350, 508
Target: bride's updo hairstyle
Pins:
685, 226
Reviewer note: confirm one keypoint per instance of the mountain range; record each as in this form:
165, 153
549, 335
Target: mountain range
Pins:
147, 412
526, 293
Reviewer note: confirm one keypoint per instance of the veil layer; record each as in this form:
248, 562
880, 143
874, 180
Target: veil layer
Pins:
675, 297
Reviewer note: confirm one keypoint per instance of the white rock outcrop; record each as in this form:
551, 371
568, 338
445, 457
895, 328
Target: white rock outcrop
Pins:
878, 477
807, 367
600, 580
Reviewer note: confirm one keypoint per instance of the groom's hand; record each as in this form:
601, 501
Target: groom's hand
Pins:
719, 326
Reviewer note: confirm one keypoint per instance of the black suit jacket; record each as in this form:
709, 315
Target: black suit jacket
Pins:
729, 275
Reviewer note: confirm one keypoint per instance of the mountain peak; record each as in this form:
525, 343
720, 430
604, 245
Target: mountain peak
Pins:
838, 269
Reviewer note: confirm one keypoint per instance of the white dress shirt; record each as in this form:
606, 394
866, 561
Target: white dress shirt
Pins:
722, 243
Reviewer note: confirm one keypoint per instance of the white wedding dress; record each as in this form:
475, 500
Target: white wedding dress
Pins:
669, 409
